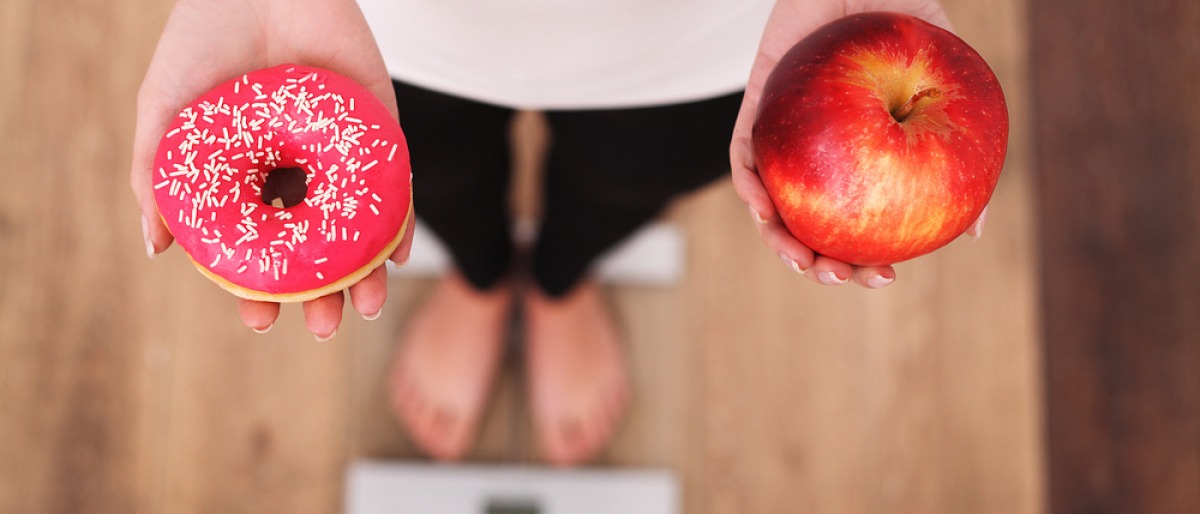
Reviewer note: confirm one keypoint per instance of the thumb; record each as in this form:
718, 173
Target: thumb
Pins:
153, 117
976, 229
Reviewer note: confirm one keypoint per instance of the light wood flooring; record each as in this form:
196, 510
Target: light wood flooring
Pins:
129, 385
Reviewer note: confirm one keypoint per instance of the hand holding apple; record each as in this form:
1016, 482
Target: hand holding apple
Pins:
879, 138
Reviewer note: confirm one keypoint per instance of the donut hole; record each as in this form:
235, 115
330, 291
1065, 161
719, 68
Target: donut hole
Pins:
285, 187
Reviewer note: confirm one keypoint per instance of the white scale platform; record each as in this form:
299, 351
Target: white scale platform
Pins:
381, 487
654, 256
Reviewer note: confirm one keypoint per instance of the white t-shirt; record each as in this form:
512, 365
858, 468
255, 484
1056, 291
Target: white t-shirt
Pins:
564, 54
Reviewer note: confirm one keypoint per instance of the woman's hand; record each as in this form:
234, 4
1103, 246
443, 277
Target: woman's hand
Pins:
789, 22
206, 42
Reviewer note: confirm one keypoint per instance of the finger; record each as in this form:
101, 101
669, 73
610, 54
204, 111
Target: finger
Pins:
152, 121
748, 184
976, 229
404, 249
258, 316
323, 315
368, 295
830, 272
874, 277
793, 253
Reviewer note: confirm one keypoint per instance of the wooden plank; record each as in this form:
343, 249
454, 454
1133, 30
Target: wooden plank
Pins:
15, 43
78, 388
923, 397
258, 422
1118, 121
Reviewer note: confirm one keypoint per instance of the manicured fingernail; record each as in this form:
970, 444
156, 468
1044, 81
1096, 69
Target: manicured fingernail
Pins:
791, 263
979, 223
263, 330
878, 281
322, 339
146, 238
758, 217
830, 278
373, 317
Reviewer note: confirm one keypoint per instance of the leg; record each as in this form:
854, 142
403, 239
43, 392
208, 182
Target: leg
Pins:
445, 367
443, 371
460, 159
609, 172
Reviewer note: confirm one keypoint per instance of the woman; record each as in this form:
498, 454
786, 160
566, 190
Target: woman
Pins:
641, 97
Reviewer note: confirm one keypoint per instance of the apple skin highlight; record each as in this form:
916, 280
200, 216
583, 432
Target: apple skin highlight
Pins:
880, 138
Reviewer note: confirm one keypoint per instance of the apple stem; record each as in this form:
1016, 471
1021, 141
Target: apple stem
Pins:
906, 109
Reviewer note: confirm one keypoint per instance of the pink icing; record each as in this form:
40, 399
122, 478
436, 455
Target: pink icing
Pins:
215, 157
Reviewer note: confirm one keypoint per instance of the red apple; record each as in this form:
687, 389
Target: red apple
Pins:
880, 137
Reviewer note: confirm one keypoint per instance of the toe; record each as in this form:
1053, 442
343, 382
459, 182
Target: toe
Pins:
447, 438
593, 436
610, 414
559, 440
606, 418
617, 400
579, 439
421, 423
399, 391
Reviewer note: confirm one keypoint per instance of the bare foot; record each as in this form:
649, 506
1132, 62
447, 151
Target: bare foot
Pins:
577, 373
445, 367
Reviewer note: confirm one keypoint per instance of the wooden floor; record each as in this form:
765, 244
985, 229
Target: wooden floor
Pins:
128, 385
1119, 162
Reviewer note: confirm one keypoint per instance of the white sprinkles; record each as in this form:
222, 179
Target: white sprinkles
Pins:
245, 149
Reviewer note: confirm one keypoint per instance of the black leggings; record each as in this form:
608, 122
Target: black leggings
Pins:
608, 172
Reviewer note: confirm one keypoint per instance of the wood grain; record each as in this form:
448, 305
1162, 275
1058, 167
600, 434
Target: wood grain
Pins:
1118, 118
912, 399
80, 410
128, 385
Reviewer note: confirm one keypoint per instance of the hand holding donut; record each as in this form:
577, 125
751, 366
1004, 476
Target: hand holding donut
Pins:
208, 42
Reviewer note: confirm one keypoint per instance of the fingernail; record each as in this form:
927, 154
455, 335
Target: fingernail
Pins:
791, 263
263, 330
758, 218
830, 278
878, 281
322, 339
146, 238
979, 224
373, 317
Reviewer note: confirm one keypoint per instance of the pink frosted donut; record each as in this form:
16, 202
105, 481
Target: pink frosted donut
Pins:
316, 141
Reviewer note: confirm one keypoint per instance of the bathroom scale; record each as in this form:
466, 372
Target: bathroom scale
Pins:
391, 487
652, 256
